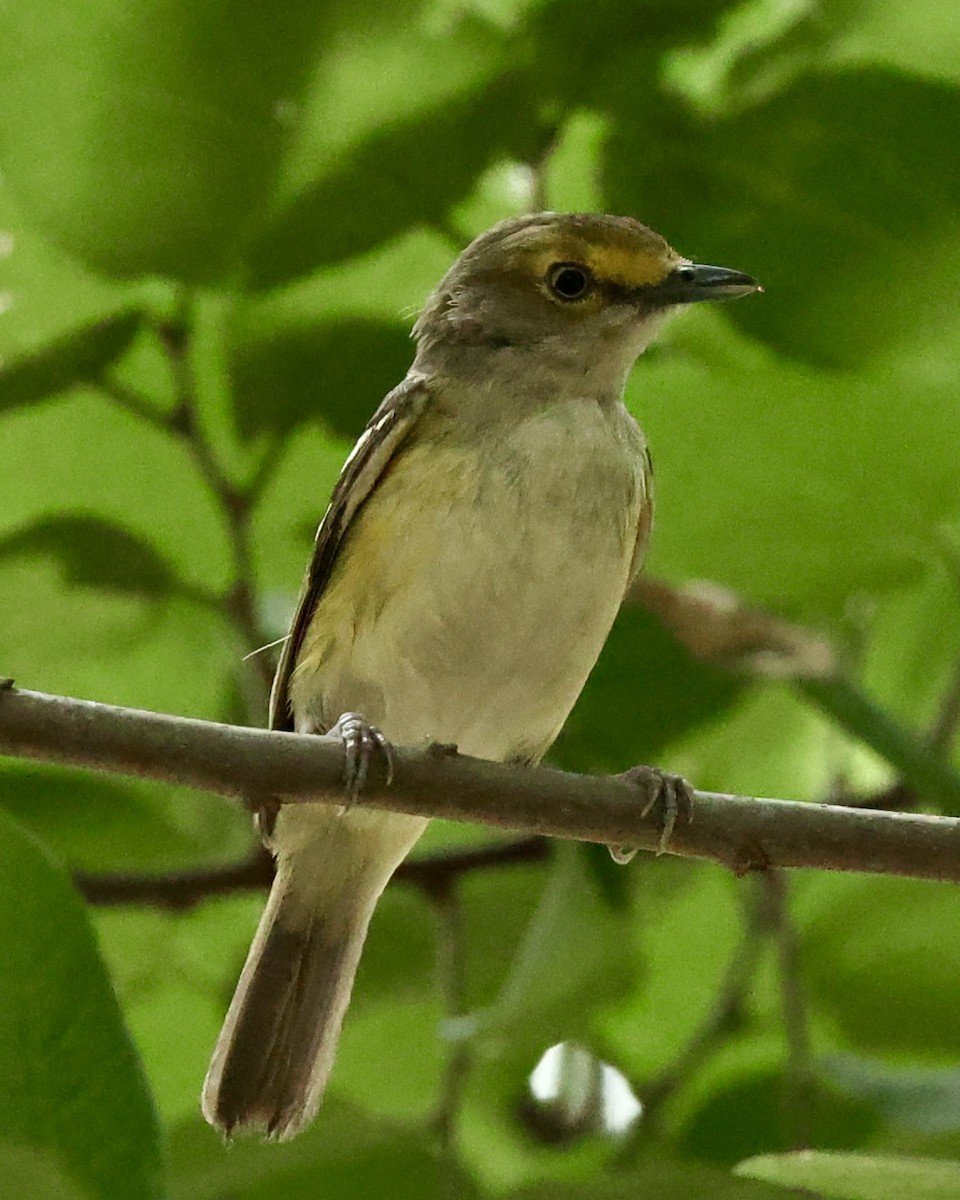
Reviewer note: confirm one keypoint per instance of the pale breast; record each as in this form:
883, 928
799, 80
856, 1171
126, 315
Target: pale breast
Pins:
474, 591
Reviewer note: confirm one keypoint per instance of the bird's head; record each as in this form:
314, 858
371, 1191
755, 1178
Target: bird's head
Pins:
575, 287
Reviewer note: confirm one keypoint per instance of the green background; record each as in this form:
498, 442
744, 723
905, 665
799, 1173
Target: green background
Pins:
244, 204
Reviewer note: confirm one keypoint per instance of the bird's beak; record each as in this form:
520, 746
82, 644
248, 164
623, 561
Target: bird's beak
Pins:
689, 282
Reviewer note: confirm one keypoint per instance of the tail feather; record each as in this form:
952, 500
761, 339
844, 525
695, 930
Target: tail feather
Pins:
275, 1052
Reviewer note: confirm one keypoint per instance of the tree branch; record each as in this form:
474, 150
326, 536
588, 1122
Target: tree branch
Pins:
177, 890
799, 1080
260, 766
180, 890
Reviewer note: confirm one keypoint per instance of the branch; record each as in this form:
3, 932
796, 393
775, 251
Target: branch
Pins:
177, 890
260, 766
799, 1080
717, 627
234, 502
180, 890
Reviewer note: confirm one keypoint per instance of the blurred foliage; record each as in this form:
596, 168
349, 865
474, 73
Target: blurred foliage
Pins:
216, 221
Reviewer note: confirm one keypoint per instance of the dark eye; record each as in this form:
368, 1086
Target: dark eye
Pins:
569, 281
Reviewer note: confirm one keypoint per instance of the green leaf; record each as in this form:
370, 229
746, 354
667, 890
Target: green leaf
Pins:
923, 769
174, 974
148, 140
922, 41
344, 1153
817, 192
875, 966
654, 1022
408, 174
645, 692
800, 507
583, 62
336, 372
858, 1176
749, 1115
28, 1173
95, 823
405, 1035
93, 552
70, 1084
661, 1179
75, 358
563, 971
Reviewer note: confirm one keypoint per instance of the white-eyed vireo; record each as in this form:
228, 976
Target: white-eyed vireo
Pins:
465, 576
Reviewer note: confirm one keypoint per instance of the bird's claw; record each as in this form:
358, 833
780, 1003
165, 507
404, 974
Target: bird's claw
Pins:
670, 792
361, 741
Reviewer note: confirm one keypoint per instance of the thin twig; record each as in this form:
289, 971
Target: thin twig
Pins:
182, 890
539, 200
451, 972
234, 502
900, 796
724, 1019
739, 832
132, 401
264, 471
798, 1076
944, 729
177, 891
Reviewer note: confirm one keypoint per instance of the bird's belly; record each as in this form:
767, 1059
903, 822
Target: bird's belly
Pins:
476, 618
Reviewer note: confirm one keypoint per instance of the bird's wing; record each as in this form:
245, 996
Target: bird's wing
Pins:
646, 518
385, 432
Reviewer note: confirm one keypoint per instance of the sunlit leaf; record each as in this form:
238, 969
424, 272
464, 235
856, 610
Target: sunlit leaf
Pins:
146, 140
858, 1176
29, 1172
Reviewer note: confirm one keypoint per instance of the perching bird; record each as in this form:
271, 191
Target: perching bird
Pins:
466, 574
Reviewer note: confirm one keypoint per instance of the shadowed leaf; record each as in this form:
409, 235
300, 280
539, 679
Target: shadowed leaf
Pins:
645, 692
94, 552
408, 174
79, 357
835, 193
336, 373
71, 1087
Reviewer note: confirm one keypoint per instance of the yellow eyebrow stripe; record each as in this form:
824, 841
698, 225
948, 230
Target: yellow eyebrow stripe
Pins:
627, 267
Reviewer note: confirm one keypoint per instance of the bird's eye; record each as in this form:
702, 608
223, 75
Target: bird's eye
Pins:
569, 281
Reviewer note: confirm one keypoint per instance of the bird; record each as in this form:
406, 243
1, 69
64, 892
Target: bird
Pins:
464, 578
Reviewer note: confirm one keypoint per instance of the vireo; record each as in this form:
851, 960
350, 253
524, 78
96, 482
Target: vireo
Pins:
466, 573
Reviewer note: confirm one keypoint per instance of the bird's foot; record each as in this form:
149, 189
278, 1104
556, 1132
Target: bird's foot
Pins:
361, 741
659, 789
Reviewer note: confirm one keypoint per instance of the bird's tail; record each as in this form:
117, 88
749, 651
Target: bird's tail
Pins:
275, 1051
